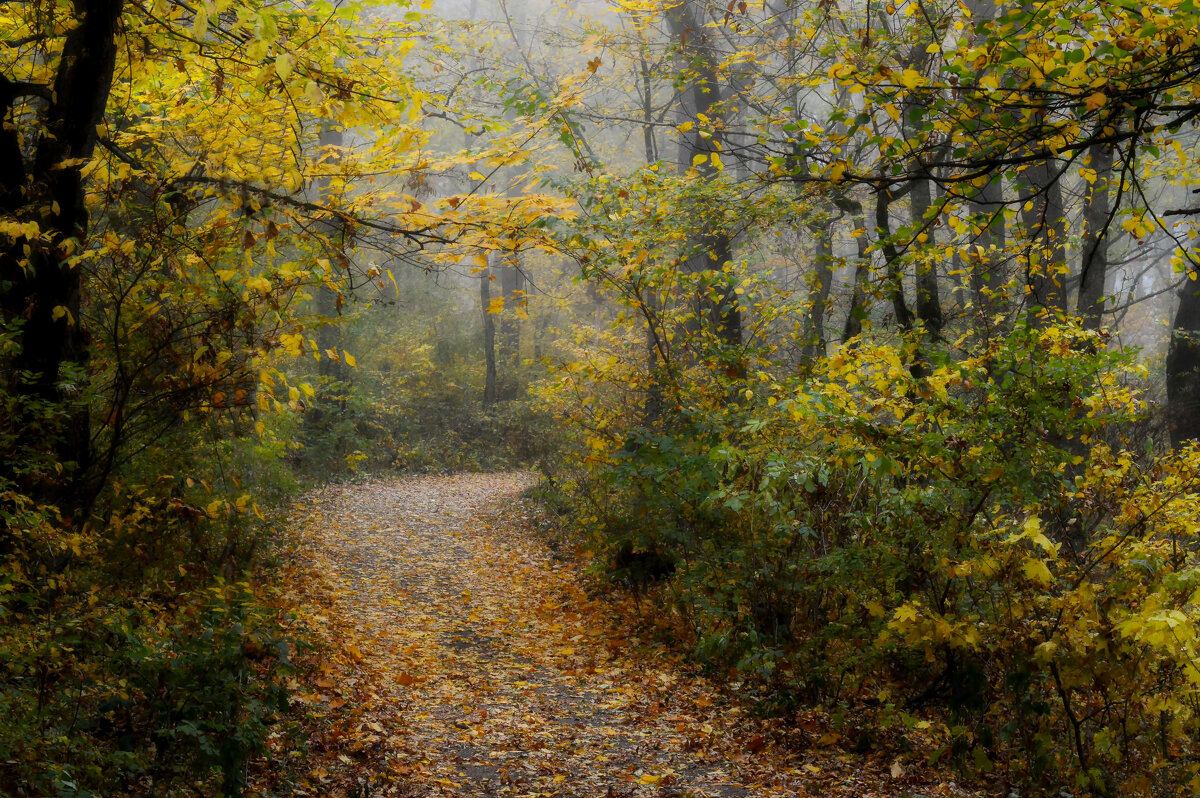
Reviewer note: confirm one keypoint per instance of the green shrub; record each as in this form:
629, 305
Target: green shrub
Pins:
988, 522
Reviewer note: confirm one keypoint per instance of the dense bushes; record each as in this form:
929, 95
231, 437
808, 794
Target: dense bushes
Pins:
106, 699
139, 651
983, 540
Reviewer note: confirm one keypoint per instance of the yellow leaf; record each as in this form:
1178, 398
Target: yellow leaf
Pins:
1094, 100
699, 159
292, 343
716, 162
200, 24
350, 361
284, 64
836, 171
911, 78
840, 71
1037, 572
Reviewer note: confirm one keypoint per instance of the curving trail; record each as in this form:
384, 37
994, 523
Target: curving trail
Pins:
491, 673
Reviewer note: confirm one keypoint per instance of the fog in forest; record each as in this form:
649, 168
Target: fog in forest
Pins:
645, 397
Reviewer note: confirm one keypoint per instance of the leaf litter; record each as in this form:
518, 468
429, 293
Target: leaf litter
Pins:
460, 656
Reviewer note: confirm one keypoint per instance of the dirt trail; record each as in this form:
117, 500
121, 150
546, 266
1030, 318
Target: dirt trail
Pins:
500, 677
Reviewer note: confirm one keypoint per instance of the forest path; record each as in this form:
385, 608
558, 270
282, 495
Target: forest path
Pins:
491, 673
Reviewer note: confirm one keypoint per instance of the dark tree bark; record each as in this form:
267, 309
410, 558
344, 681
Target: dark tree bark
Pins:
862, 276
40, 280
985, 209
1046, 228
711, 249
894, 269
928, 301
649, 142
1093, 268
820, 283
1183, 365
929, 304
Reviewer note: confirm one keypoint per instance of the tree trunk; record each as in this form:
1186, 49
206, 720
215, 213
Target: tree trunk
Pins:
1093, 267
1046, 230
986, 213
329, 334
894, 270
929, 305
647, 298
649, 143
1183, 365
862, 276
512, 286
986, 209
710, 250
489, 336
40, 278
819, 284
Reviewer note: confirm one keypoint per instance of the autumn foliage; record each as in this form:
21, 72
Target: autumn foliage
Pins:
963, 507
834, 301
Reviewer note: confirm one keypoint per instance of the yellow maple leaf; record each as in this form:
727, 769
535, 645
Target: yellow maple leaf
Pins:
911, 78
1037, 571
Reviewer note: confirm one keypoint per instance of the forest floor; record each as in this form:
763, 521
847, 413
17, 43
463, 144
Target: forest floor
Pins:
464, 657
